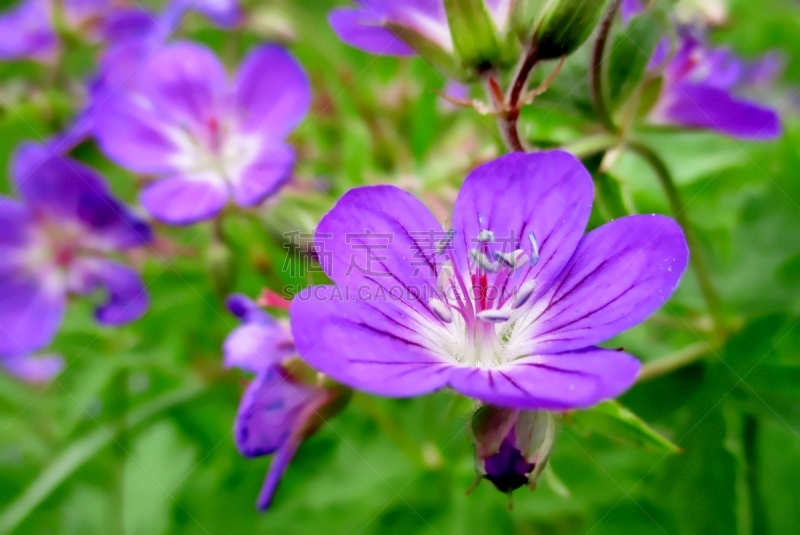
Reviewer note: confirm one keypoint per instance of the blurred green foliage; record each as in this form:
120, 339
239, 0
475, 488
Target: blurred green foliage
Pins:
135, 435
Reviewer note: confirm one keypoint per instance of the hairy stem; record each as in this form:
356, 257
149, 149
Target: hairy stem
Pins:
697, 258
598, 95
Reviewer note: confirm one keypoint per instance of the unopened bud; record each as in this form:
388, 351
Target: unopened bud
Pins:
565, 25
512, 447
475, 37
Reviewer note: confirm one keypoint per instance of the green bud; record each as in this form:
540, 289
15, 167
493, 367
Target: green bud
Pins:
566, 25
475, 37
525, 16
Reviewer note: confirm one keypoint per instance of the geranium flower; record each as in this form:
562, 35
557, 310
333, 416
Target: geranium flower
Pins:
29, 30
702, 87
506, 307
56, 242
279, 408
205, 138
386, 27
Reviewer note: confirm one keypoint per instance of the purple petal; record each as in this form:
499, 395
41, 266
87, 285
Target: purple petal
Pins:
31, 310
130, 132
546, 193
700, 106
277, 468
185, 82
39, 369
631, 8
270, 411
380, 237
224, 13
127, 299
619, 275
59, 188
272, 91
28, 32
253, 347
550, 382
16, 222
182, 200
247, 311
363, 29
364, 345
264, 177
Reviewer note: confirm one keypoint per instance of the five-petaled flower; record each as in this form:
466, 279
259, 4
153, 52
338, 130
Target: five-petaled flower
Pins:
56, 242
702, 87
286, 403
204, 138
512, 326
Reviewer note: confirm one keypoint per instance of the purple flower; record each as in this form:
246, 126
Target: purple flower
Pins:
33, 369
27, 32
55, 242
206, 138
701, 88
506, 307
386, 27
279, 409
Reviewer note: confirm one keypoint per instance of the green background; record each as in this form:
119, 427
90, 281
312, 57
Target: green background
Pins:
135, 435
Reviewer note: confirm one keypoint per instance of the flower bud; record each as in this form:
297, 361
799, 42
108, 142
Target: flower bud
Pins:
512, 447
565, 25
475, 37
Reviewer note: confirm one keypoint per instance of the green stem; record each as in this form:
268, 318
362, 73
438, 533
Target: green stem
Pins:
592, 145
598, 95
666, 365
119, 407
697, 258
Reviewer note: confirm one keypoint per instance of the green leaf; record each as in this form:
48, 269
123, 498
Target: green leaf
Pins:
633, 47
611, 419
79, 452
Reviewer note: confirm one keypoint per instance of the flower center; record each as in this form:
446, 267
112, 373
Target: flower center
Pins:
216, 151
480, 307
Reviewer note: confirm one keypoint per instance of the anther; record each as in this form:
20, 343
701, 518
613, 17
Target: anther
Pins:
494, 316
486, 236
483, 261
524, 293
534, 249
512, 260
441, 310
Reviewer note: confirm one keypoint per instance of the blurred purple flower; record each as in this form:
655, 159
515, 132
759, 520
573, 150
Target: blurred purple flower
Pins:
278, 410
701, 87
205, 137
27, 31
55, 242
386, 27
33, 369
506, 307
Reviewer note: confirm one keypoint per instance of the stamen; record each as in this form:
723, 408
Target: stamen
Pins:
442, 244
441, 310
494, 316
534, 249
512, 260
524, 293
483, 261
486, 236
